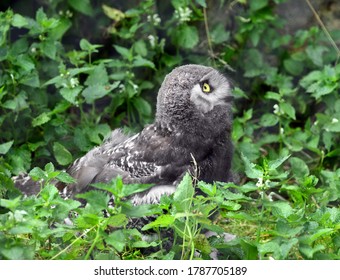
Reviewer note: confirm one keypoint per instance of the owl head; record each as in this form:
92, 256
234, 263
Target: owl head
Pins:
192, 97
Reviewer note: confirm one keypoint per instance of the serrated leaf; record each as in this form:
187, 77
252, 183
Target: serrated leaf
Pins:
273, 164
37, 174
288, 109
268, 119
19, 21
143, 107
184, 194
91, 93
65, 178
124, 52
281, 209
252, 170
299, 167
41, 119
97, 199
186, 36
113, 13
62, 155
4, 148
117, 240
70, 94
142, 62
83, 6
117, 220
98, 76
161, 221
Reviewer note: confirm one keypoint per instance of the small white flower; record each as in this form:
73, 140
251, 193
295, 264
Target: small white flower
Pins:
33, 50
282, 131
154, 19
183, 14
69, 14
74, 82
152, 40
334, 120
276, 109
259, 183
316, 123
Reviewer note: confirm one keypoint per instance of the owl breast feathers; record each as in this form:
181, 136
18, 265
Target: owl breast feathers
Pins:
191, 132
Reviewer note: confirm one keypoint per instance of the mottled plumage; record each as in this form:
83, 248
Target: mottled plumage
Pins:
192, 127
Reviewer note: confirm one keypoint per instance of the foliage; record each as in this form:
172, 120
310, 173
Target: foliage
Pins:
58, 100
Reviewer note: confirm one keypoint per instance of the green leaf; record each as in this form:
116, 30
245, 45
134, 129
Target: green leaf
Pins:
92, 93
281, 209
273, 164
142, 62
70, 94
98, 76
83, 6
124, 52
186, 36
4, 148
117, 240
219, 34
41, 119
288, 109
117, 220
143, 107
49, 48
268, 119
252, 170
293, 67
65, 178
258, 4
19, 21
201, 3
184, 194
113, 13
161, 221
299, 167
62, 155
37, 174
97, 199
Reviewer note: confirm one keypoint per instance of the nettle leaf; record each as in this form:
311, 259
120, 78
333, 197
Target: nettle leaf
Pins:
41, 119
209, 189
62, 155
252, 170
113, 13
143, 107
142, 62
161, 221
83, 6
4, 148
91, 93
70, 94
117, 240
19, 21
65, 178
186, 36
298, 167
273, 164
288, 109
268, 119
37, 174
97, 199
124, 52
98, 76
117, 220
281, 209
184, 194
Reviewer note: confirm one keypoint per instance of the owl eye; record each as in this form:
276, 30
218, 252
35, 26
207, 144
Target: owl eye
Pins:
205, 87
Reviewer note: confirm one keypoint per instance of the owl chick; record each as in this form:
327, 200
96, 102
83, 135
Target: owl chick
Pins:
191, 133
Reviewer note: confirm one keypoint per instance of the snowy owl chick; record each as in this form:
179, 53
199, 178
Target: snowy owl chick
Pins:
191, 133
